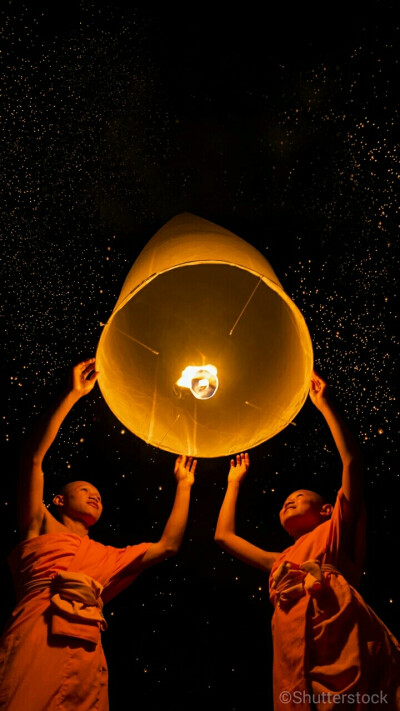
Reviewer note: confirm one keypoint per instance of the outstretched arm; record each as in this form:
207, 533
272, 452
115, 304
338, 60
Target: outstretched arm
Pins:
30, 507
346, 444
174, 530
225, 534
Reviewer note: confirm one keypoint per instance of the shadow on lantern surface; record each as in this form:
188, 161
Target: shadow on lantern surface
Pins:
200, 296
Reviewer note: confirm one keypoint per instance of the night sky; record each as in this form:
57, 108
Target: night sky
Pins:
281, 127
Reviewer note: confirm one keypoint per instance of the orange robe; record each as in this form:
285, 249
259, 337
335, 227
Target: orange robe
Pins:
326, 640
45, 667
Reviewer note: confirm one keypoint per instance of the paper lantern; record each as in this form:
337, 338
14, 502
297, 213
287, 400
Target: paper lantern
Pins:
199, 297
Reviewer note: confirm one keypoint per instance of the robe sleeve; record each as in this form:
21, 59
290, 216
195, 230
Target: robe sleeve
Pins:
126, 566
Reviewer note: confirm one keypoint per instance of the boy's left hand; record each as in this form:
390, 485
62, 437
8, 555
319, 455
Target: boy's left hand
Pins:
185, 468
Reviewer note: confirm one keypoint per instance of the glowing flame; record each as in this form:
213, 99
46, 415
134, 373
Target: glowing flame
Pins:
202, 380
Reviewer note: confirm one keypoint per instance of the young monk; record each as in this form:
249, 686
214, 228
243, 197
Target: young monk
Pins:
330, 649
51, 655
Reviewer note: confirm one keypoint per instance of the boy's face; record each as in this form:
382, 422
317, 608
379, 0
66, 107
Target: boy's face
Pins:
303, 510
83, 501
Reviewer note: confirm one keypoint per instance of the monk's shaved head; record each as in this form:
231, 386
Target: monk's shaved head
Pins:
70, 485
316, 497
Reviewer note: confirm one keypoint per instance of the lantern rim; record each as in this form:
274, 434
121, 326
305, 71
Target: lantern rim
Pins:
277, 287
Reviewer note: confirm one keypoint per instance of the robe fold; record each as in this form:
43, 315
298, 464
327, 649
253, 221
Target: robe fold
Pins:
51, 657
326, 640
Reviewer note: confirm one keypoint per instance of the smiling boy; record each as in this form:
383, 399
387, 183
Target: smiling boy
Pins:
329, 647
51, 656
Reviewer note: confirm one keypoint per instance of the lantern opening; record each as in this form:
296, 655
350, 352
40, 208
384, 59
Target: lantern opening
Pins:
198, 294
201, 380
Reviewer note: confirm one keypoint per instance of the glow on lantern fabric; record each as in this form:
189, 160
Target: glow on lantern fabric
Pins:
198, 294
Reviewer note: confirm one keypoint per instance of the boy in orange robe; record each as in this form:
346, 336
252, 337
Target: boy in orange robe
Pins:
51, 655
330, 649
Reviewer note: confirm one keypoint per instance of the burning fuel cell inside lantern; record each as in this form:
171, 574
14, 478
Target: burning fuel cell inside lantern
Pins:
201, 380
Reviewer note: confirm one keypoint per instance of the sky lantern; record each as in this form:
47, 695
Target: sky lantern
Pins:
204, 353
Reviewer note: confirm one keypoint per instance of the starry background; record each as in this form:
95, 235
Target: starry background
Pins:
283, 129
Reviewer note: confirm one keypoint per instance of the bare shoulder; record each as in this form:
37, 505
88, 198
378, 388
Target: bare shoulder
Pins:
51, 524
352, 505
47, 524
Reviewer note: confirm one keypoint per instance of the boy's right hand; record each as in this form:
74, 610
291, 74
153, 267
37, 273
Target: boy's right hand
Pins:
83, 377
185, 468
239, 467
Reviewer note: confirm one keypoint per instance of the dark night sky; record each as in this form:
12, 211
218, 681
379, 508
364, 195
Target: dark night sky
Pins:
283, 129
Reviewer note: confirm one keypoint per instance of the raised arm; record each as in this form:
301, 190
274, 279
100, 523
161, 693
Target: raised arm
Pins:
347, 446
225, 534
30, 507
174, 530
